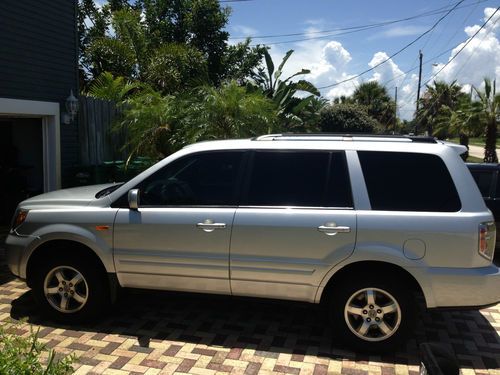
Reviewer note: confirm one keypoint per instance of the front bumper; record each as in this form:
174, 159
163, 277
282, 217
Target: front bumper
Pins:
462, 287
16, 247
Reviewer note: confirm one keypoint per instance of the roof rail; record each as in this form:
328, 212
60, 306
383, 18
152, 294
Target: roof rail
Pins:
344, 137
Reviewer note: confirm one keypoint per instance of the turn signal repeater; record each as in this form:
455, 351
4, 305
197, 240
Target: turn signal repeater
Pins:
19, 218
101, 227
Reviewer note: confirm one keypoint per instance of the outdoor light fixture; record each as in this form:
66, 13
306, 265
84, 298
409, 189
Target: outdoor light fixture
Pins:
71, 109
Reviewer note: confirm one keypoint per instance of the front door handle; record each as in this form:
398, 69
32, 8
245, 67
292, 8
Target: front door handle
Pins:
332, 228
209, 225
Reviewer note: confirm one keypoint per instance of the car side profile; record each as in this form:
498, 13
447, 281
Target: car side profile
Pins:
357, 223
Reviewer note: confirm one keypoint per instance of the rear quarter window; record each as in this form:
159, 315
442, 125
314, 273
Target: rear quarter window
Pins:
404, 181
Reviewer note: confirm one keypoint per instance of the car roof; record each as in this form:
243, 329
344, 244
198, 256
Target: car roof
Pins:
330, 142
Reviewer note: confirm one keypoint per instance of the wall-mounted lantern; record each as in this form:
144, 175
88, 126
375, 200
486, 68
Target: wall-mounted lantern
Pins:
71, 109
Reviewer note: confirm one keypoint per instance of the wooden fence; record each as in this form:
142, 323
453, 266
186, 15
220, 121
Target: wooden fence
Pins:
99, 139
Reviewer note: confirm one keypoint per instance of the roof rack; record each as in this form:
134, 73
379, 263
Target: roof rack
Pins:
344, 137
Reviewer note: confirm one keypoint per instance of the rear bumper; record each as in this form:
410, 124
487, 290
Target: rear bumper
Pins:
466, 288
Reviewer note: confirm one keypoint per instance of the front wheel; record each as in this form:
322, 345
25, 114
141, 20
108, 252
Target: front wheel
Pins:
70, 290
371, 315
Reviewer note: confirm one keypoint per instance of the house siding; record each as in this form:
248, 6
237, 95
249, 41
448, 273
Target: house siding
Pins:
38, 59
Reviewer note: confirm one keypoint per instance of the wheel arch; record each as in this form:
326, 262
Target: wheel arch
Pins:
368, 267
54, 247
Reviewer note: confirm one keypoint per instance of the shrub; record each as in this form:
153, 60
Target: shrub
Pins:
346, 118
21, 355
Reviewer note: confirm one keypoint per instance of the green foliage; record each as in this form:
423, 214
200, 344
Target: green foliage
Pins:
229, 111
174, 67
489, 111
240, 61
346, 118
124, 39
150, 121
433, 105
111, 55
117, 89
21, 356
374, 97
292, 108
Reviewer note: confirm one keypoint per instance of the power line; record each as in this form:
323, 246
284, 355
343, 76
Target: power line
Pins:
463, 47
351, 28
395, 53
418, 117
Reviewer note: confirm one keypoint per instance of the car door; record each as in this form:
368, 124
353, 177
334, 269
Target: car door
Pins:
295, 222
179, 237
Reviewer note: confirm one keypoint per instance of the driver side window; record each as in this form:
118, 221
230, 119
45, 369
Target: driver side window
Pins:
203, 179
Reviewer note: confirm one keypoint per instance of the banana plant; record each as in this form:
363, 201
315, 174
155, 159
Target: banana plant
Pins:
287, 93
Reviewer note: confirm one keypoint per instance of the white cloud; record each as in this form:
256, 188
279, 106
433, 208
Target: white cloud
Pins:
330, 62
399, 31
479, 59
242, 30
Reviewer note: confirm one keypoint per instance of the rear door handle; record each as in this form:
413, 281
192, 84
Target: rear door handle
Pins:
331, 229
209, 226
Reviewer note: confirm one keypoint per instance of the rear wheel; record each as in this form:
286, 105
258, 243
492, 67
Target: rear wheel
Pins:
371, 315
70, 290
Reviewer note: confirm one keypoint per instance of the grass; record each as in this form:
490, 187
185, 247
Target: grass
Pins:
473, 159
472, 141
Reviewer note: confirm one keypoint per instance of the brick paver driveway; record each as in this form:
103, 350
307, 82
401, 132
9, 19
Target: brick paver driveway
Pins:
164, 333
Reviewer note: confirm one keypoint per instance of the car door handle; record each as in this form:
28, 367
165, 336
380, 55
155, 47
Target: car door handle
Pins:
210, 226
333, 229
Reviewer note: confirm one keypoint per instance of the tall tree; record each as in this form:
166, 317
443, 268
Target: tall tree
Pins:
124, 39
438, 95
489, 113
374, 97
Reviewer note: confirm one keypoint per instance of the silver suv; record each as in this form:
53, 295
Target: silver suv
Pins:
358, 223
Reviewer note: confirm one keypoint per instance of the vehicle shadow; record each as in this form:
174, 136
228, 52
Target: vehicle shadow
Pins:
273, 327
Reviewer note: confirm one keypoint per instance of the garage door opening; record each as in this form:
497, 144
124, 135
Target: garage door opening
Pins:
21, 162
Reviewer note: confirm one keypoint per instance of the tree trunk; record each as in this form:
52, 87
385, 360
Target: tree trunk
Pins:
490, 149
464, 141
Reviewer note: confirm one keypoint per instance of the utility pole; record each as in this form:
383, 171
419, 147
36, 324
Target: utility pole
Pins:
420, 55
395, 109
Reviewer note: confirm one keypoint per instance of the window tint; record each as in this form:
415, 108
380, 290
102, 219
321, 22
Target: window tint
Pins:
206, 179
483, 181
299, 178
408, 182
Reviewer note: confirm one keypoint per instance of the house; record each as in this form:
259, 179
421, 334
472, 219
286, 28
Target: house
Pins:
38, 71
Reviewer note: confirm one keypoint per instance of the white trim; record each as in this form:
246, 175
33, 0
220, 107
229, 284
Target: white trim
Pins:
51, 131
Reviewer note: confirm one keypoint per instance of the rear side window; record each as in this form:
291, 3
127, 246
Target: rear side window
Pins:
299, 178
399, 181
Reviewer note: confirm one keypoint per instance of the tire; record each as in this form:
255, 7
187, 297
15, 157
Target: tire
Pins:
70, 289
371, 316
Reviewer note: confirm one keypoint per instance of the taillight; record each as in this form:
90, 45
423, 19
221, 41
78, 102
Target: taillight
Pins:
487, 238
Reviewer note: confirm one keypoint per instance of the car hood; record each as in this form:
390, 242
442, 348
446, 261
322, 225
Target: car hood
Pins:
79, 196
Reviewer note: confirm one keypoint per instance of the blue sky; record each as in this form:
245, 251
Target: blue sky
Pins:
332, 58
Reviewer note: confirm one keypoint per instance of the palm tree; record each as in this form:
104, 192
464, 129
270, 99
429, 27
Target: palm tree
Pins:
117, 89
489, 112
377, 101
229, 111
436, 96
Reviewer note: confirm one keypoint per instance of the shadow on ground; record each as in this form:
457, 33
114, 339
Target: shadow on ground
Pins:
273, 327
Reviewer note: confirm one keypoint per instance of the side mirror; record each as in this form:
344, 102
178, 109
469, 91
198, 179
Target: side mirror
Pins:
133, 199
